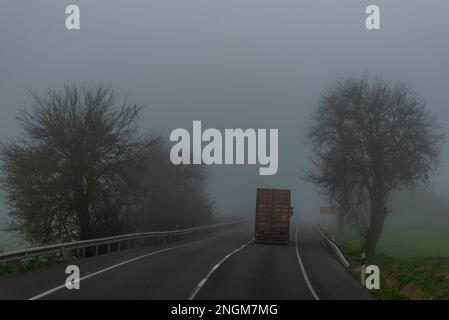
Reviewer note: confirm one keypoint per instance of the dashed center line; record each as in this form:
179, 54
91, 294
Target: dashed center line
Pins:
214, 268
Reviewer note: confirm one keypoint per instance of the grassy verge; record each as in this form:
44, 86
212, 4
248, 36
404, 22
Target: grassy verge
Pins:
8, 269
412, 254
406, 278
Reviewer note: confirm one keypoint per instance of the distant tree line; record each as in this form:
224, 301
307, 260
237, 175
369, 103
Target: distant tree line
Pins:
80, 170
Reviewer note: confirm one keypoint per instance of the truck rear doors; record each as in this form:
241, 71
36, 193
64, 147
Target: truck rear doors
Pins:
273, 212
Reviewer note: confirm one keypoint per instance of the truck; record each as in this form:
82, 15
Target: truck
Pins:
273, 211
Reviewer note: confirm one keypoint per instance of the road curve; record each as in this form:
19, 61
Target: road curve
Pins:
225, 264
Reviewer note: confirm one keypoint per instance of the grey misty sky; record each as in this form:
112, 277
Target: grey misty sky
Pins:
229, 63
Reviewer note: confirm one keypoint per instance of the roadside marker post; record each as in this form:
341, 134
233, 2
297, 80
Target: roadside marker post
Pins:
363, 269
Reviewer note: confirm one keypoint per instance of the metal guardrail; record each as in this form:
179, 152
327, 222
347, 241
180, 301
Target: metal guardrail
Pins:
121, 241
335, 248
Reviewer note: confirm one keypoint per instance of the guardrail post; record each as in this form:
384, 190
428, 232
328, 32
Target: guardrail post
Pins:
119, 246
108, 248
96, 250
17, 264
52, 258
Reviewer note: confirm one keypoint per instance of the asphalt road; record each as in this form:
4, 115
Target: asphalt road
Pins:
221, 265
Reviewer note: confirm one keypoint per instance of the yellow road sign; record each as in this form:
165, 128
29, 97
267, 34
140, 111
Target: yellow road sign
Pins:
328, 210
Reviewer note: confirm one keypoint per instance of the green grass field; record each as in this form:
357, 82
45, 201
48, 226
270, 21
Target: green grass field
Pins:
10, 242
410, 238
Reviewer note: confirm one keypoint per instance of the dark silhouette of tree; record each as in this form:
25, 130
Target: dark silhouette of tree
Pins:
369, 138
80, 171
170, 195
65, 178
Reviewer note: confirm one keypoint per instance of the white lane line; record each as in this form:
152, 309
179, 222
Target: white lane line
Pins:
214, 268
46, 293
303, 270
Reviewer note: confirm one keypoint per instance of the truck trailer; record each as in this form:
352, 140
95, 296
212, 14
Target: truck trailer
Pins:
273, 211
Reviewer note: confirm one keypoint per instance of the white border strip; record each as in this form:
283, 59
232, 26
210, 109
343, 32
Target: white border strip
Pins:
214, 268
303, 270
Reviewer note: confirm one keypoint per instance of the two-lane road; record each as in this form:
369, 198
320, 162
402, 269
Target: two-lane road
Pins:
222, 265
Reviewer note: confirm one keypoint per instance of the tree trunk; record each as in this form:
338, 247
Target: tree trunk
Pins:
377, 219
84, 221
84, 226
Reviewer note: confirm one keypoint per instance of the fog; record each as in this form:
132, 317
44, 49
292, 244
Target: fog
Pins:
228, 63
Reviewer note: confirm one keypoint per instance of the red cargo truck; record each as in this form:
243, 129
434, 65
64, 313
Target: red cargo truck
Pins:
273, 211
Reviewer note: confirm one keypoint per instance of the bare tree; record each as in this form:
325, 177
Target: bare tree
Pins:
66, 177
370, 137
80, 170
